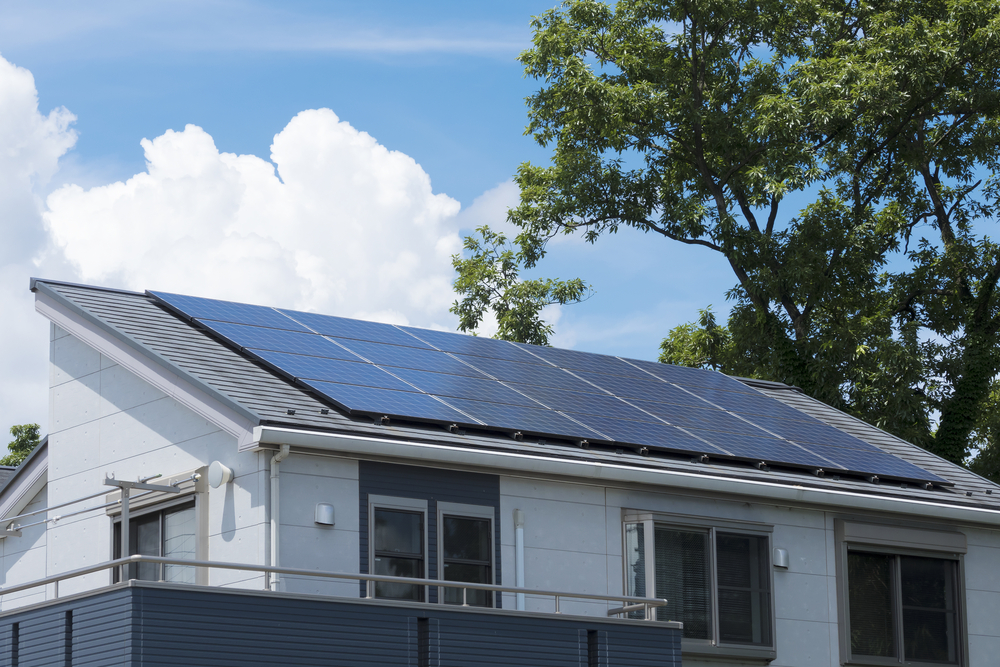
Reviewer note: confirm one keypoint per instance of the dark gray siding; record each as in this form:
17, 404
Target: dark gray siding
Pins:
432, 485
102, 633
152, 625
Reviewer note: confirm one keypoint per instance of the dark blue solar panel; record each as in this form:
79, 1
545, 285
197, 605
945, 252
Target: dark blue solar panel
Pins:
748, 404
548, 391
519, 418
590, 404
706, 418
650, 434
279, 340
418, 358
473, 345
584, 361
692, 377
811, 432
883, 464
537, 375
650, 390
771, 450
227, 311
388, 402
342, 327
459, 386
333, 370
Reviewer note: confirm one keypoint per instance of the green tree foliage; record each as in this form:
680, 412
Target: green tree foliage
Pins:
26, 438
839, 156
489, 280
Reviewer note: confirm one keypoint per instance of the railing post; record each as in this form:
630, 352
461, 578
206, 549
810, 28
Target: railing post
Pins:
267, 580
465, 601
557, 605
57, 590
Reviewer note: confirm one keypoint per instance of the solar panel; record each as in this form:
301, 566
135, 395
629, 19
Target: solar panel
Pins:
228, 311
370, 400
529, 374
520, 418
588, 404
459, 386
382, 369
650, 434
584, 361
355, 372
279, 340
472, 345
342, 327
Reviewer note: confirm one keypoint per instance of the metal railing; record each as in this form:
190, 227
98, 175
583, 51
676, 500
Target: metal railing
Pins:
629, 603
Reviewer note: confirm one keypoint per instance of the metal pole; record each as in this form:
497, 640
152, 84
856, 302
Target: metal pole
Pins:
124, 553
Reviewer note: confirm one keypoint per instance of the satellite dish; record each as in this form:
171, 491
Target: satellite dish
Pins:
218, 475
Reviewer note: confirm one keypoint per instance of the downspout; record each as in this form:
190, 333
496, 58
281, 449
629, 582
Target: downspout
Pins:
519, 556
275, 514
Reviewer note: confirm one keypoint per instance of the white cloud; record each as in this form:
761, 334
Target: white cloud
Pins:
30, 147
336, 223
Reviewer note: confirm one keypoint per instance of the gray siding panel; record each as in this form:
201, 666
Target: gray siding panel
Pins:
156, 625
102, 632
432, 485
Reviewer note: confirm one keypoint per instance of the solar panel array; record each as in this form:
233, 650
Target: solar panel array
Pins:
418, 374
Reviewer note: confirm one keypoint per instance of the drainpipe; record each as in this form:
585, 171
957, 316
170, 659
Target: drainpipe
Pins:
275, 502
519, 556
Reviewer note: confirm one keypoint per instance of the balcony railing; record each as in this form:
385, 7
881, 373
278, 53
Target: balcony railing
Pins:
628, 604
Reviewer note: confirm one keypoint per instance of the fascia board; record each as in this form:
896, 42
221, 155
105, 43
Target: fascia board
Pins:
31, 478
175, 382
610, 473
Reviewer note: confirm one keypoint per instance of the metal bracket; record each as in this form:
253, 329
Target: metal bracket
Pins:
141, 484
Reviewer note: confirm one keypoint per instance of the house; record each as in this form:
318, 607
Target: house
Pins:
321, 473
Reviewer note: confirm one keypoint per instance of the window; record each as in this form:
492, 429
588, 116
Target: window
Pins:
466, 552
900, 604
165, 531
717, 580
400, 539
398, 545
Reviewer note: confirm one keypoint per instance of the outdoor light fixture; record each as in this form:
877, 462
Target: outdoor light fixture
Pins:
218, 475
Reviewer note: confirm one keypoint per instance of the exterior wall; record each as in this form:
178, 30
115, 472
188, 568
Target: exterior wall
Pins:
23, 558
306, 481
573, 542
104, 420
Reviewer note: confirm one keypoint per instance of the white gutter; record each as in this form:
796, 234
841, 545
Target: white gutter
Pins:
275, 512
615, 473
519, 556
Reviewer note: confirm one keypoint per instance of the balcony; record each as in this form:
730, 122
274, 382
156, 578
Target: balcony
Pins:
159, 623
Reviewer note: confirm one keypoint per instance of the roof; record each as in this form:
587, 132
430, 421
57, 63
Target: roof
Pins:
270, 399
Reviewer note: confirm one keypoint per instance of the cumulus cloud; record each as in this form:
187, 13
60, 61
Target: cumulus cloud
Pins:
335, 223
31, 144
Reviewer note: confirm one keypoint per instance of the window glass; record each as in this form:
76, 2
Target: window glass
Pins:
169, 533
928, 605
683, 578
399, 532
870, 600
179, 542
744, 596
465, 547
635, 560
399, 552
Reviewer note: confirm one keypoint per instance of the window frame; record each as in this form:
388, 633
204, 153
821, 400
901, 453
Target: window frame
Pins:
462, 510
896, 539
414, 505
712, 647
188, 499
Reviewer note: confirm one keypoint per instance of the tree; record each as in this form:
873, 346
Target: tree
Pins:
840, 156
26, 438
490, 280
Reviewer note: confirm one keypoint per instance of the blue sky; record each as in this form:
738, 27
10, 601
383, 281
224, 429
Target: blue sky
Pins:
437, 82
